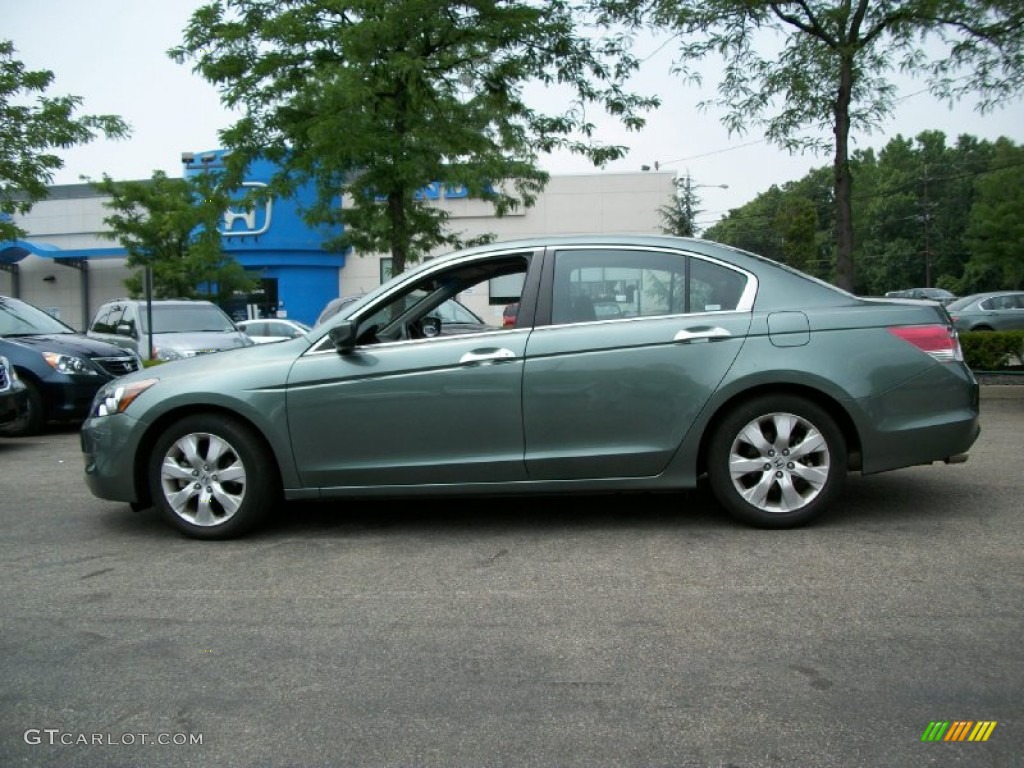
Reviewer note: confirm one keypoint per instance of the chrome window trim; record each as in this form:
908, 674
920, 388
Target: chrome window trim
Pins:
327, 347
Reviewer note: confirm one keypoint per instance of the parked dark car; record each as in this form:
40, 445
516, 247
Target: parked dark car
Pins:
13, 395
181, 328
60, 368
940, 295
772, 384
992, 311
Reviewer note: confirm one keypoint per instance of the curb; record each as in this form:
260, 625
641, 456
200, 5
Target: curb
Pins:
1001, 392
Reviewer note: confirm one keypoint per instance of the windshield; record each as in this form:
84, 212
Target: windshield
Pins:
187, 318
20, 319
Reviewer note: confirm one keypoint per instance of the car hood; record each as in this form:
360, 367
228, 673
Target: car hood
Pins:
197, 341
75, 344
207, 367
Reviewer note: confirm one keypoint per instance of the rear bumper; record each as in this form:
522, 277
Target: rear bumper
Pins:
932, 417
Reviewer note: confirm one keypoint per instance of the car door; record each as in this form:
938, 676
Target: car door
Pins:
616, 397
436, 410
1008, 314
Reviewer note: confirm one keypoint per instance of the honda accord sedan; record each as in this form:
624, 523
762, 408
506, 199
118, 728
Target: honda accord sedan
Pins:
720, 364
61, 370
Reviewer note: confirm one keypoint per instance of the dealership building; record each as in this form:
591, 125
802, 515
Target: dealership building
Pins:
67, 266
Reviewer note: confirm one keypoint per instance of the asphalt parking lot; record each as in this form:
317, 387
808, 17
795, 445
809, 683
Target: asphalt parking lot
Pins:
621, 631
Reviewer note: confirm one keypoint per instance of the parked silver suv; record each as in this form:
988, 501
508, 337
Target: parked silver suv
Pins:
181, 328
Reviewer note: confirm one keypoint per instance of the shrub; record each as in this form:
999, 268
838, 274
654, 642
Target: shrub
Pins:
992, 350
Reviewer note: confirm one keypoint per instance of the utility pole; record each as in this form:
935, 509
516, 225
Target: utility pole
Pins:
926, 218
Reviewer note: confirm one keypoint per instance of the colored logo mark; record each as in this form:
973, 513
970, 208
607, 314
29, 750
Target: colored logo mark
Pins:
958, 730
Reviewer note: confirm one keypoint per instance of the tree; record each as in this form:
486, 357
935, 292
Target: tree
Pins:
171, 225
380, 99
680, 217
996, 229
32, 126
831, 69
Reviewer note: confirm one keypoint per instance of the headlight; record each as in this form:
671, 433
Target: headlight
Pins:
69, 364
114, 398
167, 353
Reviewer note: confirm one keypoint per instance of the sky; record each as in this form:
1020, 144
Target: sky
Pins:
112, 53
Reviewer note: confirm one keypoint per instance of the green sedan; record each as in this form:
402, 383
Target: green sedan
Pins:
718, 364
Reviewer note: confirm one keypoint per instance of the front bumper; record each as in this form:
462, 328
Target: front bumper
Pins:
13, 403
68, 396
110, 446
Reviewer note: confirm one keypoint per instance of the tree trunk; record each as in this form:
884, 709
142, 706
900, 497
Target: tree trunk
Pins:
399, 236
843, 179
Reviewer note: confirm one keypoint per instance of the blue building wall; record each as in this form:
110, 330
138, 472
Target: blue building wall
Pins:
273, 242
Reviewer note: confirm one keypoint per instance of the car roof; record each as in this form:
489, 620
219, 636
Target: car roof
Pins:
127, 300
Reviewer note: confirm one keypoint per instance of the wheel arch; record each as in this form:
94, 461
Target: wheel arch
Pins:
153, 432
822, 399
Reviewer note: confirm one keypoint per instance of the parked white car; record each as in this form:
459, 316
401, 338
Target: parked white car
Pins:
272, 329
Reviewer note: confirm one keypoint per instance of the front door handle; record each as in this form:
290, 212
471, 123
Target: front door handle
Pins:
689, 336
486, 356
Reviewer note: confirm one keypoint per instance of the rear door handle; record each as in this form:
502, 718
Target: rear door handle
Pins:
689, 336
487, 356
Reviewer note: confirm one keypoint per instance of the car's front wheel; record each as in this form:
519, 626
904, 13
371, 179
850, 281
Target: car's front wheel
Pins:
211, 477
776, 461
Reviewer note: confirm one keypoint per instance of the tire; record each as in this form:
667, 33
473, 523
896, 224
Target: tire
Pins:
776, 461
33, 422
211, 477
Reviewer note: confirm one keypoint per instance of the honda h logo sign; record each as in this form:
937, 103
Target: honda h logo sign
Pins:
248, 221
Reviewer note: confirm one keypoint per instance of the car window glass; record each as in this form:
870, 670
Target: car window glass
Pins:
639, 283
714, 288
101, 323
120, 315
608, 284
400, 316
19, 318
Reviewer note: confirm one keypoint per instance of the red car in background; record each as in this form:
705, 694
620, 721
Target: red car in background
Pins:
509, 315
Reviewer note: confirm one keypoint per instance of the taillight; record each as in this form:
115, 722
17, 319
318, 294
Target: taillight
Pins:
939, 341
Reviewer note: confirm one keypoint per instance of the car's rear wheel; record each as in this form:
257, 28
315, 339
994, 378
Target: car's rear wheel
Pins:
776, 461
33, 420
211, 477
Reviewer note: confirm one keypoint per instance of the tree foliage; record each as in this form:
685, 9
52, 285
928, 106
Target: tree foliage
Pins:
811, 72
928, 214
32, 127
171, 225
378, 99
680, 216
995, 232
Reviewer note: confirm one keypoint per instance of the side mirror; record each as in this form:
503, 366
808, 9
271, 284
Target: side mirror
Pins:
343, 336
123, 330
431, 325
